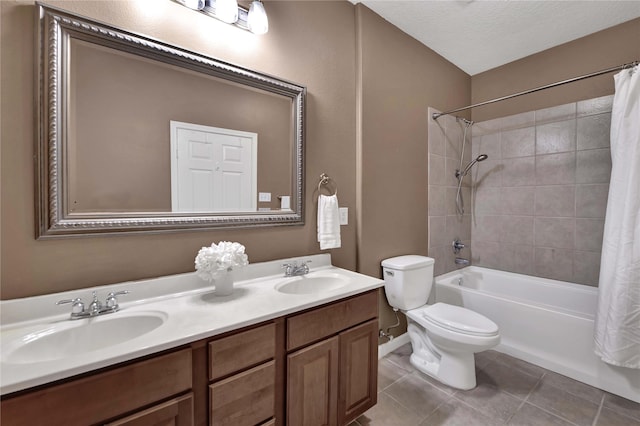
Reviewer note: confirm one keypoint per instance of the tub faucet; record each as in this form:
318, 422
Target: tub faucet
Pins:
461, 261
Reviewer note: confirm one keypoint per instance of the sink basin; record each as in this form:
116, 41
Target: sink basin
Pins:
312, 283
70, 338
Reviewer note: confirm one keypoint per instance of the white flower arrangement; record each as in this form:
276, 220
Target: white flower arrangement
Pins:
223, 256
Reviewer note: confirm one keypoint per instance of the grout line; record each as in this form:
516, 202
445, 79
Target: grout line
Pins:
597, 417
392, 383
534, 387
557, 414
406, 372
398, 365
554, 414
460, 401
411, 410
446, 401
524, 401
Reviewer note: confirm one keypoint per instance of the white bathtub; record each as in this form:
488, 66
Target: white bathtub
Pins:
546, 322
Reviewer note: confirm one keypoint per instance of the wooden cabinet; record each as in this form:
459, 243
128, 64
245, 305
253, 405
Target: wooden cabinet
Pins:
176, 412
333, 381
241, 350
358, 371
103, 396
247, 396
317, 367
312, 386
316, 324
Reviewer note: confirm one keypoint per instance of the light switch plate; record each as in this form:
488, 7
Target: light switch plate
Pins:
264, 197
344, 215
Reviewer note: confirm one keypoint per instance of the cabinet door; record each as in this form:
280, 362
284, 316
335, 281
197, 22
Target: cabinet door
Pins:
177, 412
312, 385
358, 371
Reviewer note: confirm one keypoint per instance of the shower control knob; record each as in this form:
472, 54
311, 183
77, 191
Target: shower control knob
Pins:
457, 246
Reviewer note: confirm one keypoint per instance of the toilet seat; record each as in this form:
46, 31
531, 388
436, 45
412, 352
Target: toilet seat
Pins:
456, 319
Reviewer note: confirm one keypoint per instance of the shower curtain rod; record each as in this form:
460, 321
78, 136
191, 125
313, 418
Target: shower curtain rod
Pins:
436, 115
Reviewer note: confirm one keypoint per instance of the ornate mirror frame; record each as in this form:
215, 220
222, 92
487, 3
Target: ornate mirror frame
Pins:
55, 29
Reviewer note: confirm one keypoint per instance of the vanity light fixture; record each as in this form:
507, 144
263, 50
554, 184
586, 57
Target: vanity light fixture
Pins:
192, 4
224, 10
254, 19
257, 20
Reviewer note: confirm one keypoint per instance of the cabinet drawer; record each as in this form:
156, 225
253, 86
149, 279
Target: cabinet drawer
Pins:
177, 412
242, 350
319, 323
105, 395
247, 398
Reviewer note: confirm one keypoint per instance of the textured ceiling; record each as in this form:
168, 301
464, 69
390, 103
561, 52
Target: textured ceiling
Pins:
478, 35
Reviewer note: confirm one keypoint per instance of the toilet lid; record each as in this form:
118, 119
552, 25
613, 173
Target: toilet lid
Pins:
459, 319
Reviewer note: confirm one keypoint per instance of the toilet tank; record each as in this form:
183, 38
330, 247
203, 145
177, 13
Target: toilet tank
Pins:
407, 280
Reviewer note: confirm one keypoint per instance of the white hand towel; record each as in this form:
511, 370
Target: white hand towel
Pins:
328, 222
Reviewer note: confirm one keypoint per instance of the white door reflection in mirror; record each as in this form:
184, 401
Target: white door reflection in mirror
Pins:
212, 169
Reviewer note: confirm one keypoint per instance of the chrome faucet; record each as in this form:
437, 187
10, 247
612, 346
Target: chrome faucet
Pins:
461, 261
294, 270
457, 246
95, 308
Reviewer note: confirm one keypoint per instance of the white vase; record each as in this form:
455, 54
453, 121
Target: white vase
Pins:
223, 283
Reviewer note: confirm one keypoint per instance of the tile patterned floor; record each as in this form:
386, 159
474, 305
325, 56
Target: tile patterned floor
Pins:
509, 392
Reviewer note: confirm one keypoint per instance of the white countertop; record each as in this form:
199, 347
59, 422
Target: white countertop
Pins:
188, 305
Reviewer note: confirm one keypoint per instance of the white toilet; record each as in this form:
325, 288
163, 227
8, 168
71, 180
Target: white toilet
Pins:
443, 337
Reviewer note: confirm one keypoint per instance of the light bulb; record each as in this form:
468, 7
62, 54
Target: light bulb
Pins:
257, 20
227, 10
193, 4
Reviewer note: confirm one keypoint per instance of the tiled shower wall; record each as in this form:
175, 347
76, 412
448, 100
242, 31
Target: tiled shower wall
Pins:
539, 200
445, 144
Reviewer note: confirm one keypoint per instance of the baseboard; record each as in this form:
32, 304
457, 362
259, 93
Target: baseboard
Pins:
392, 345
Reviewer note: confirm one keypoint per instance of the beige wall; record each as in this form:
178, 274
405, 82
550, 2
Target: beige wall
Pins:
399, 79
311, 43
608, 48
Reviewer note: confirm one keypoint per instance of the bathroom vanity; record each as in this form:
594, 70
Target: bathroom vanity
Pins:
305, 357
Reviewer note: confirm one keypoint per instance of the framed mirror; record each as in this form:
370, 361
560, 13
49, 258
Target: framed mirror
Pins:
139, 136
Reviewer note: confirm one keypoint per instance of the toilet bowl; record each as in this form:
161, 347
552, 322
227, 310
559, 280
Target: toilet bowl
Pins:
443, 337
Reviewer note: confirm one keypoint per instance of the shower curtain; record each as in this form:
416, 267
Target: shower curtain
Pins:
617, 326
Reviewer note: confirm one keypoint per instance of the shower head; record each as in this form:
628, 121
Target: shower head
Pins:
480, 157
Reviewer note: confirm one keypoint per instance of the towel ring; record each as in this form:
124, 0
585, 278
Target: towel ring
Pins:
324, 180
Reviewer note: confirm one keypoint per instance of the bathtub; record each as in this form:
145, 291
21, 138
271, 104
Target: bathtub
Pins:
545, 322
